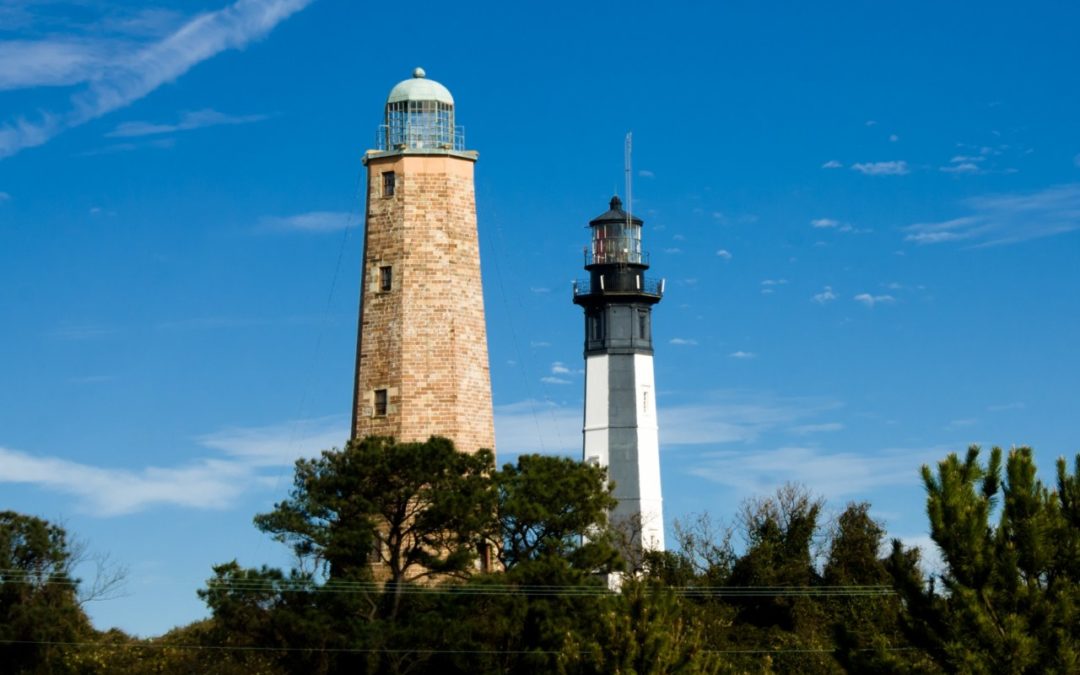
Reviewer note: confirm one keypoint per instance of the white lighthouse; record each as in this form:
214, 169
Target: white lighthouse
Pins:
620, 430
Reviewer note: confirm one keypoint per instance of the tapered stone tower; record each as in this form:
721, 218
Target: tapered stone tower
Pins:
422, 359
620, 430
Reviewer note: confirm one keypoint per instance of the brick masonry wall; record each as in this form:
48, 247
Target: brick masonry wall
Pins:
425, 340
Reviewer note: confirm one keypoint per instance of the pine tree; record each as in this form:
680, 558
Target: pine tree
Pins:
1011, 590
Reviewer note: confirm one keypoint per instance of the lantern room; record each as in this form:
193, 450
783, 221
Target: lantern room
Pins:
616, 237
420, 116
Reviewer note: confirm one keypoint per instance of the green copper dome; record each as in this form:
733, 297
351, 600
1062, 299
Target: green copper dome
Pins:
419, 88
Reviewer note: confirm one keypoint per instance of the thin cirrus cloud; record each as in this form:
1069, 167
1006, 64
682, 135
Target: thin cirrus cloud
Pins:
312, 222
682, 342
717, 417
1006, 218
896, 168
873, 300
249, 458
825, 296
53, 63
198, 119
551, 379
833, 474
560, 368
118, 73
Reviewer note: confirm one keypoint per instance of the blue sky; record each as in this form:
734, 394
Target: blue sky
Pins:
867, 215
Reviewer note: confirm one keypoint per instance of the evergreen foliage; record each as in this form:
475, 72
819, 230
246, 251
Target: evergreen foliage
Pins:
389, 537
1010, 601
39, 610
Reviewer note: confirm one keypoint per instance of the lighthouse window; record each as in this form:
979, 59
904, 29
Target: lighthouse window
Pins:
388, 180
380, 403
386, 278
596, 326
643, 324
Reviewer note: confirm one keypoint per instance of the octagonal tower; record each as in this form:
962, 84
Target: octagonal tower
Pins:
422, 360
620, 428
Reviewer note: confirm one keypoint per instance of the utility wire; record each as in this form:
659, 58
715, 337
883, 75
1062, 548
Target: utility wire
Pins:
159, 644
356, 587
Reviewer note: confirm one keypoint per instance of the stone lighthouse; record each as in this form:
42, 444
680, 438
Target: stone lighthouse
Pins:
422, 359
620, 430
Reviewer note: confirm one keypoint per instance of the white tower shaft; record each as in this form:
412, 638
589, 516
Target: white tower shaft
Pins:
621, 433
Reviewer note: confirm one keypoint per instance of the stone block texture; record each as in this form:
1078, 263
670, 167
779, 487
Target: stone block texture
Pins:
423, 341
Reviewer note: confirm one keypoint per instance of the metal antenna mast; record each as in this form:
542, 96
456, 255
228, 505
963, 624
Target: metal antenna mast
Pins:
628, 151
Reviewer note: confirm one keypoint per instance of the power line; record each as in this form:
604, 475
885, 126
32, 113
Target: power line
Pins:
408, 588
151, 644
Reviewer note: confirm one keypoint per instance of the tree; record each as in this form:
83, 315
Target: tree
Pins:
418, 510
1011, 599
39, 608
554, 509
646, 630
866, 623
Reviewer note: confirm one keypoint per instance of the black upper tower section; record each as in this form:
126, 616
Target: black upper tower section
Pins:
617, 296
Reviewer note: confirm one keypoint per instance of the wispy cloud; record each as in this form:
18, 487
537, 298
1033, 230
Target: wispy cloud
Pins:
1000, 407
686, 342
188, 121
832, 474
551, 379
872, 300
896, 168
832, 164
279, 444
833, 224
1007, 218
804, 429
313, 221
206, 483
824, 297
769, 286
735, 416
742, 355
57, 62
645, 173
113, 81
724, 254
962, 167
560, 368
91, 379
714, 418
537, 426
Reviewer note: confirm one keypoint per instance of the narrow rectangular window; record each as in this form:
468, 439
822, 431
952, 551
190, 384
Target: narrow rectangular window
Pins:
643, 324
596, 326
380, 403
388, 179
386, 278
